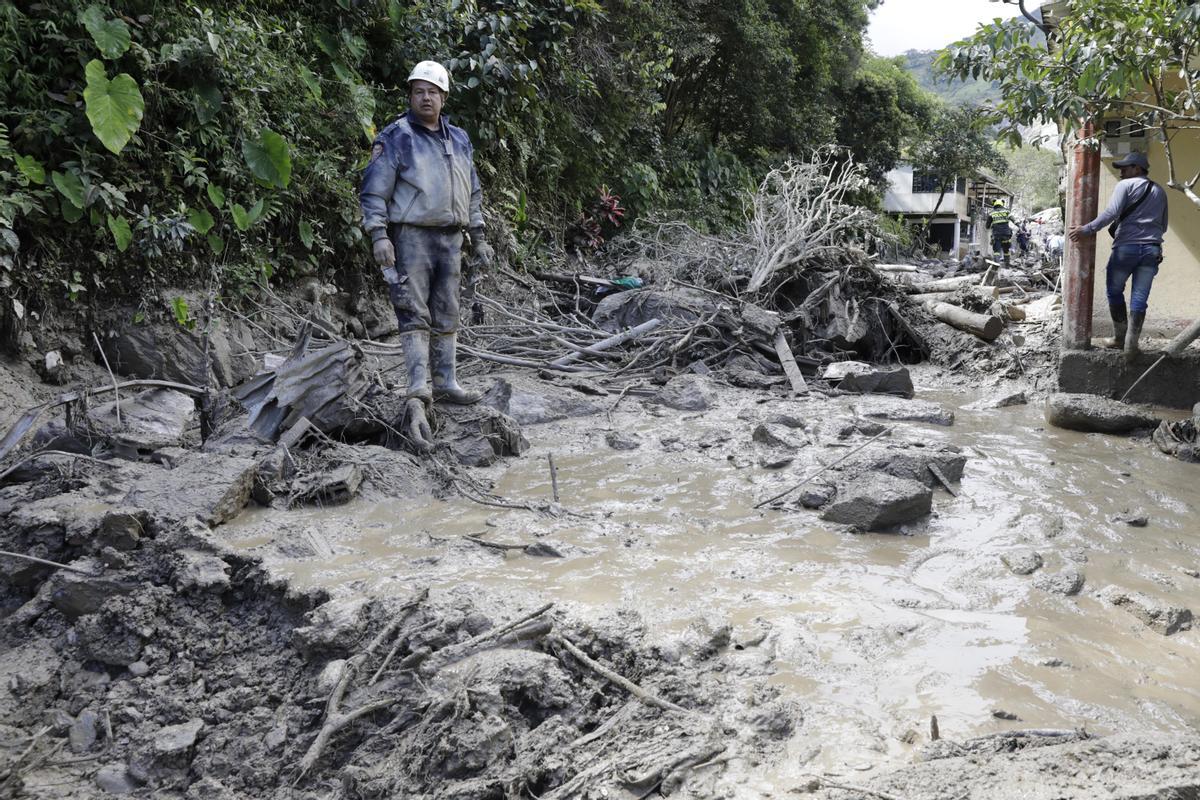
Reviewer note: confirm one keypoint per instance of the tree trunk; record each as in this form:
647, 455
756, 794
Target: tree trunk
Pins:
984, 326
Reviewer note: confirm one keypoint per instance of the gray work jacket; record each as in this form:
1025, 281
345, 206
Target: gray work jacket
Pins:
420, 177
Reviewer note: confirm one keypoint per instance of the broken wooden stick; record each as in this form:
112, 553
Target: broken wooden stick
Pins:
44, 562
553, 476
457, 652
112, 376
612, 341
612, 677
788, 361
941, 478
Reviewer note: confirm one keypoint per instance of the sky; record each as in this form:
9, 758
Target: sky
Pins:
900, 25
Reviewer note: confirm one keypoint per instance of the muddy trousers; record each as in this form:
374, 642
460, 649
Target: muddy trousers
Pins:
429, 264
1138, 262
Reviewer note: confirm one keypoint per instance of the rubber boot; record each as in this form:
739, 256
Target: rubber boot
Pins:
1120, 320
1136, 320
444, 349
416, 362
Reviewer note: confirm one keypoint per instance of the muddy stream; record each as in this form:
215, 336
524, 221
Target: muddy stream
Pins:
870, 634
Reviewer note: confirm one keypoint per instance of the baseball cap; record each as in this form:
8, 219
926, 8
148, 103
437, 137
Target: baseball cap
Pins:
1134, 160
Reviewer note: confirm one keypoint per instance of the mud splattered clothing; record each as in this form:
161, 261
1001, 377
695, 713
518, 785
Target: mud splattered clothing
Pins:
420, 188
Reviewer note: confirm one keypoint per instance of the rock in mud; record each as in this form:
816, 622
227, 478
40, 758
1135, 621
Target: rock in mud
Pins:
149, 420
745, 372
212, 487
817, 495
876, 501
547, 404
76, 594
1135, 518
1092, 414
1157, 616
336, 625
480, 435
83, 733
196, 571
115, 779
999, 401
778, 437
621, 440
1068, 582
904, 410
122, 529
911, 462
686, 393
629, 309
863, 378
158, 352
1022, 562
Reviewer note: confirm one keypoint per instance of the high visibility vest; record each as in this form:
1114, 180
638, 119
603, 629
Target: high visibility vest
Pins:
1000, 216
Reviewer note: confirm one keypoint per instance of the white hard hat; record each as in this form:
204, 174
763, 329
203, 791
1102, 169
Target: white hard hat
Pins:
433, 72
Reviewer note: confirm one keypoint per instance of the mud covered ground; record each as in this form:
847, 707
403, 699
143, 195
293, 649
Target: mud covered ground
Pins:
201, 634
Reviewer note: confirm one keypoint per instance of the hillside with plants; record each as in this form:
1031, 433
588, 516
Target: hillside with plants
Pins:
145, 145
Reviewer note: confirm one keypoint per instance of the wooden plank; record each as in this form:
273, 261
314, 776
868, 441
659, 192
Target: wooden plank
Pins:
789, 363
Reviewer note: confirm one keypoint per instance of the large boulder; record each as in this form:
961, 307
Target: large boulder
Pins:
876, 501
862, 378
159, 353
1157, 616
148, 420
546, 404
1092, 414
211, 487
686, 393
910, 462
630, 309
898, 410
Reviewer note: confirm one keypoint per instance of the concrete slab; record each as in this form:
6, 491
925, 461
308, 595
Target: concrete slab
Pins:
1174, 384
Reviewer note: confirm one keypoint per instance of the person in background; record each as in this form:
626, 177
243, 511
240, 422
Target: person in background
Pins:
999, 222
1136, 217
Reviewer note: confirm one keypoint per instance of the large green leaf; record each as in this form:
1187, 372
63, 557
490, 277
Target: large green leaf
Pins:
114, 107
216, 243
311, 82
71, 187
208, 103
121, 233
201, 220
306, 234
268, 159
364, 109
31, 168
110, 35
215, 195
241, 219
256, 211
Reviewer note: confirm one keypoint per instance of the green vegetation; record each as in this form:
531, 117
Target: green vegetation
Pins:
1108, 59
1032, 176
146, 145
969, 91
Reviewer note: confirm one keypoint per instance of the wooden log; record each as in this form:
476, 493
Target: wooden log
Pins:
985, 326
943, 285
938, 297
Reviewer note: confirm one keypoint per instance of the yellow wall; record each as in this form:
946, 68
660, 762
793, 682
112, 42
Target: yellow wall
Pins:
1175, 298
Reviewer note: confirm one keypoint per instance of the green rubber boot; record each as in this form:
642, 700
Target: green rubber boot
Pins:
416, 362
444, 350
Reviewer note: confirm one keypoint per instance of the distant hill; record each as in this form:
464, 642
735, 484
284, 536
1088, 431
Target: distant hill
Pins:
919, 63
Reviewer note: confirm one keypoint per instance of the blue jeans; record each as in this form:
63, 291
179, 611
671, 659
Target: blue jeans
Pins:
1139, 261
429, 262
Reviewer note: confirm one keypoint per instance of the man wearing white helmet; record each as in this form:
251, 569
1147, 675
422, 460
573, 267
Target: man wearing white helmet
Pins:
420, 193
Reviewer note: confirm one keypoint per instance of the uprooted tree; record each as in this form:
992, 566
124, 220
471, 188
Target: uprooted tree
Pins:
1138, 61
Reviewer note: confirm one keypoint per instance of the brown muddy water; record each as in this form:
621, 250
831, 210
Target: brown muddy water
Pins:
870, 634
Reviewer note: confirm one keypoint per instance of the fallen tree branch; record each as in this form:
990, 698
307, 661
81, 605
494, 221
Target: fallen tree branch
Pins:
612, 341
457, 652
335, 719
613, 677
43, 561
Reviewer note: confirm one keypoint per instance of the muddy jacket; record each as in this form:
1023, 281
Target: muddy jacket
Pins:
420, 177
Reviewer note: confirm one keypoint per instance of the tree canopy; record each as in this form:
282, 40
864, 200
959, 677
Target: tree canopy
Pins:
1139, 61
145, 144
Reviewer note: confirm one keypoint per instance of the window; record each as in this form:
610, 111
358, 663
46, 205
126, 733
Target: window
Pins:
1124, 129
924, 182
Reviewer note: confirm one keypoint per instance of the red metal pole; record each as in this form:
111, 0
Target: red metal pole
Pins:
1079, 276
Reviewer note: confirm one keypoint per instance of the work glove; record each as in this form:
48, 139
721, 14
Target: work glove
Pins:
384, 252
420, 435
485, 256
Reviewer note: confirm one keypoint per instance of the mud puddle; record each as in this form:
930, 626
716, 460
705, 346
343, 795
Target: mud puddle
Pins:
871, 634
